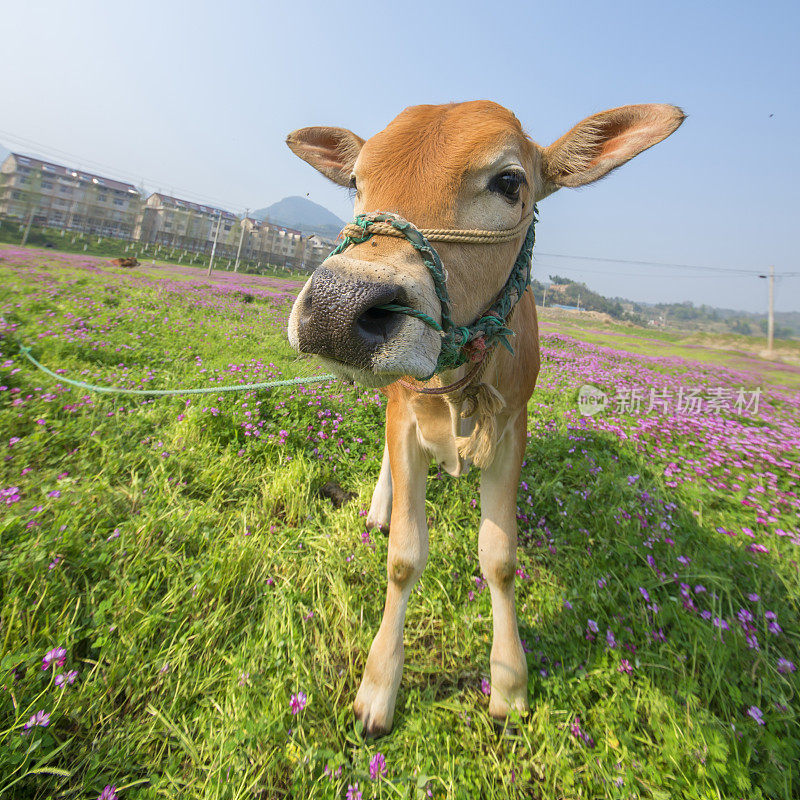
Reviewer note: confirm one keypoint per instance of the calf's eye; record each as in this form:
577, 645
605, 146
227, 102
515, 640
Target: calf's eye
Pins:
508, 184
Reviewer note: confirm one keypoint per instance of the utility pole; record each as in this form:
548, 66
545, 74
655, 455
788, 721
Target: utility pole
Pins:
771, 320
771, 317
544, 296
28, 226
241, 239
214, 246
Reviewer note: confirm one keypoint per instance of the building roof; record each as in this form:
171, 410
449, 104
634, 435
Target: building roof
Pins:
49, 168
188, 205
263, 223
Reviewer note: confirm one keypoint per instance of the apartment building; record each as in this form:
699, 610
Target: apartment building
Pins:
315, 250
55, 196
267, 243
177, 223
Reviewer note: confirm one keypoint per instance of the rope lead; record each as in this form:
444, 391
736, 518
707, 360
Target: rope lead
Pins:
242, 387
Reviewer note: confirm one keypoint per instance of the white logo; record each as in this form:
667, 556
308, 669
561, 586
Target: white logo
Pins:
591, 400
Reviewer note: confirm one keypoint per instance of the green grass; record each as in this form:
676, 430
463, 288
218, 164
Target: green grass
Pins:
199, 579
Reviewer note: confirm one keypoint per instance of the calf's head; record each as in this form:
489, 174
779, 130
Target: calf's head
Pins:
465, 166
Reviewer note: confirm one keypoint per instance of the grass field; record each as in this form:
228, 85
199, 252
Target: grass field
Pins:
185, 615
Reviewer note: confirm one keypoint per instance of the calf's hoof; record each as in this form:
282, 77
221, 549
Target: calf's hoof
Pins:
501, 705
377, 524
375, 708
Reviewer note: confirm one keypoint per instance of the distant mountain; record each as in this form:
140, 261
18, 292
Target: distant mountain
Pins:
302, 215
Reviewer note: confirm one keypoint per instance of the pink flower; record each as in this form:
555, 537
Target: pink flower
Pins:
377, 766
10, 495
69, 678
109, 793
57, 656
486, 687
298, 702
40, 718
625, 666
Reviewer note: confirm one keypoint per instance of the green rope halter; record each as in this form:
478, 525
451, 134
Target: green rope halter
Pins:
490, 327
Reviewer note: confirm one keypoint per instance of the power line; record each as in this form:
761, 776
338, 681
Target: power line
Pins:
581, 270
750, 272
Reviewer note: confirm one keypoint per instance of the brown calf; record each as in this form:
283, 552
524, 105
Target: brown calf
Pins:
463, 166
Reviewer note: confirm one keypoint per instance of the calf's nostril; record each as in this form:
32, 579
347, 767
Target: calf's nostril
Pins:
378, 324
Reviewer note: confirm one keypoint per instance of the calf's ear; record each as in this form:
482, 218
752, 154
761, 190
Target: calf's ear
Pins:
332, 151
606, 140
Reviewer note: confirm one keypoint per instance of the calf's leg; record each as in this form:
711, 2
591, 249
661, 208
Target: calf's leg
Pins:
408, 552
380, 509
497, 550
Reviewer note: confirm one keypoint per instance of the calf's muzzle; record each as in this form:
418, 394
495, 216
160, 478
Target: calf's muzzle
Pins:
341, 318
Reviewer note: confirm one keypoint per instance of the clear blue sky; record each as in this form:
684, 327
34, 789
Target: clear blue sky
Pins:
197, 98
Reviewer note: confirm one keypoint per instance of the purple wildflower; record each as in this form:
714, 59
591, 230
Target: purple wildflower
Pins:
744, 616
39, 719
69, 678
486, 687
10, 495
625, 666
377, 766
785, 666
353, 792
109, 793
298, 702
57, 656
591, 625
645, 593
610, 640
756, 713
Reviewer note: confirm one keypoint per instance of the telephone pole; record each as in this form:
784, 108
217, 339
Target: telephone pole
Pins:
771, 320
241, 239
214, 246
771, 317
28, 227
